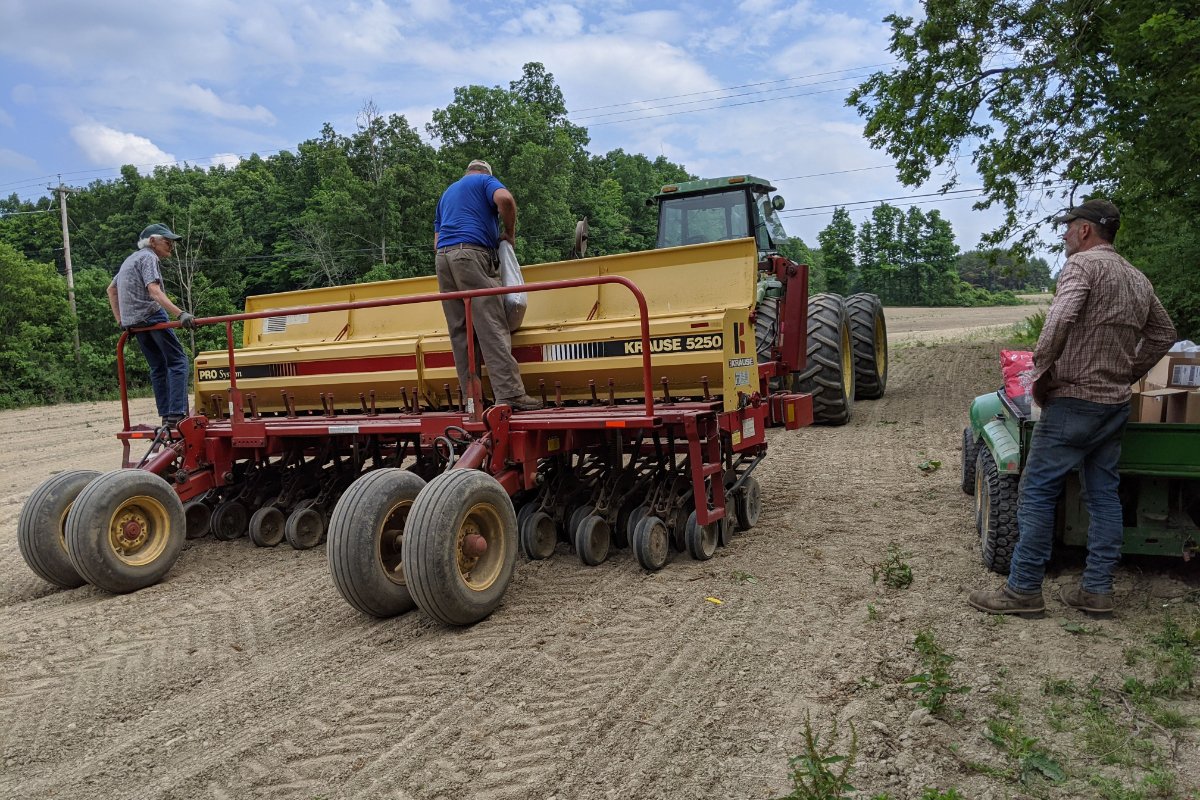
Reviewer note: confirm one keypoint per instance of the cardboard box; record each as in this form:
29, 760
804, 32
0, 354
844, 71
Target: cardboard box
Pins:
1192, 415
1153, 404
1177, 406
1173, 371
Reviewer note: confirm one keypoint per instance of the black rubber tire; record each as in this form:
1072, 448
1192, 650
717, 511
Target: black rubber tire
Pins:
537, 536
305, 527
766, 327
868, 333
970, 452
524, 511
452, 503
635, 517
727, 529
593, 540
229, 521
651, 543
108, 509
828, 374
41, 528
747, 504
577, 517
702, 540
366, 541
996, 522
267, 526
199, 518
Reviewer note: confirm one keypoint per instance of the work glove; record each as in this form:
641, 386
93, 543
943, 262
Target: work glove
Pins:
187, 320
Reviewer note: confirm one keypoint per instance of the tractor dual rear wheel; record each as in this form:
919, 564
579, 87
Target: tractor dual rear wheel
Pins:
996, 512
41, 528
125, 530
828, 374
868, 332
366, 541
460, 546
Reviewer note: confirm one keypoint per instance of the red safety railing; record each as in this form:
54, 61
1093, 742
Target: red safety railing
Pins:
238, 413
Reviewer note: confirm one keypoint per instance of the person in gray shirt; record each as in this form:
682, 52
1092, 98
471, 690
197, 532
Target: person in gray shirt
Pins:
138, 300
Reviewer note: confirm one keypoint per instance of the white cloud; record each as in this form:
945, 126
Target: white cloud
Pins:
107, 146
6, 119
225, 159
206, 101
11, 159
552, 20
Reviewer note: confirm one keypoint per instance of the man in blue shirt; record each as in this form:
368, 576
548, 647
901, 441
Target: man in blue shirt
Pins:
465, 235
138, 300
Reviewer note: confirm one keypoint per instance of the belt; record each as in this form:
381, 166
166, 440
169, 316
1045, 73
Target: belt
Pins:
465, 246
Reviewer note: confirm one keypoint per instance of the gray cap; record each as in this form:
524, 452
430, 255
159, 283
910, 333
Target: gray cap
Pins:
478, 165
158, 229
1099, 211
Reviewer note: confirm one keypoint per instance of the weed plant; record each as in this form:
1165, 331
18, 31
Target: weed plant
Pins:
818, 773
894, 569
935, 685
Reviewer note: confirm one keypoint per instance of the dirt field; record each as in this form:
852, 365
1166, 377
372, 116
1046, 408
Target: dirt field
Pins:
244, 674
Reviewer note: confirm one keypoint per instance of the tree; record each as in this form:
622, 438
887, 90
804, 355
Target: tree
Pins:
1054, 97
838, 252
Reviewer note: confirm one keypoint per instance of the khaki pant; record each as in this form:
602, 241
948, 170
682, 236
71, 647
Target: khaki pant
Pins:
461, 269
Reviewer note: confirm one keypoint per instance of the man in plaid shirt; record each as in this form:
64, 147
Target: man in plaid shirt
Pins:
1105, 330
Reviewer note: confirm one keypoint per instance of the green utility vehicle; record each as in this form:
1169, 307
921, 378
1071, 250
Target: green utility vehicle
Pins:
1160, 483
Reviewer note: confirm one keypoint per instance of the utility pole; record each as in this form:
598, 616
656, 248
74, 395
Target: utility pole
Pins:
62, 207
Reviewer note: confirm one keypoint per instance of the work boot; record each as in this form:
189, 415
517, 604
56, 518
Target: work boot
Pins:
522, 403
1005, 601
1090, 602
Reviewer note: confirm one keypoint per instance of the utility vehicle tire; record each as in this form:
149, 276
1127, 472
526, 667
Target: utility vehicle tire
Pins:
125, 530
651, 543
446, 580
766, 327
199, 518
366, 541
747, 504
305, 527
41, 527
829, 372
593, 538
996, 521
970, 451
702, 540
267, 526
229, 521
538, 535
868, 333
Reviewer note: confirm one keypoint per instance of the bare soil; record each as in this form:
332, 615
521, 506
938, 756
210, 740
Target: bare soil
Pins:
244, 673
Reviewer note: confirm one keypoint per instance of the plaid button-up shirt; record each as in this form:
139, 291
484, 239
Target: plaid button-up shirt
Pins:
1105, 329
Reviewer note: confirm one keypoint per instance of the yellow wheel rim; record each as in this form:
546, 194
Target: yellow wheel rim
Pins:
847, 362
880, 348
139, 530
480, 572
390, 543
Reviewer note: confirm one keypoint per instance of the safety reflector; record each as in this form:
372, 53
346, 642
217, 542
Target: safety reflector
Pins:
615, 423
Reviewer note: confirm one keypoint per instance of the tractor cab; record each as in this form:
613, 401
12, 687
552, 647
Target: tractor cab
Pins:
698, 212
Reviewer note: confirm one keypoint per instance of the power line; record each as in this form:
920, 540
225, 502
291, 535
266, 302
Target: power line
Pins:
731, 88
720, 107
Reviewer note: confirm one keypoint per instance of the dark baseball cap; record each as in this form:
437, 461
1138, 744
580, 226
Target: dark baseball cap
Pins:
158, 229
1099, 211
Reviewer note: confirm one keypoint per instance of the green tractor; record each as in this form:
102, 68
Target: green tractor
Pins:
832, 347
1160, 483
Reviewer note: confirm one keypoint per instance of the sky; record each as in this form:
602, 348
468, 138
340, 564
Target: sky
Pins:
722, 88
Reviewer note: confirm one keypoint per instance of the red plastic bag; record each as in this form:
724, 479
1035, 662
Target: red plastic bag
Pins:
1017, 366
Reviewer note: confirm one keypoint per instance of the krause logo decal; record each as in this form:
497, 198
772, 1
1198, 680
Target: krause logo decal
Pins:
739, 347
684, 343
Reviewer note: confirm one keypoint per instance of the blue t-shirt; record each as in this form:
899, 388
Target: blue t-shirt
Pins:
466, 214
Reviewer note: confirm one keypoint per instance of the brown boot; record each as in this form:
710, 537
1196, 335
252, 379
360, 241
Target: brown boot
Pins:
1091, 602
1005, 601
522, 403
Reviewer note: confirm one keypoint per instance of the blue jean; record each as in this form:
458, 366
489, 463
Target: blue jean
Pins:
168, 367
1071, 433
